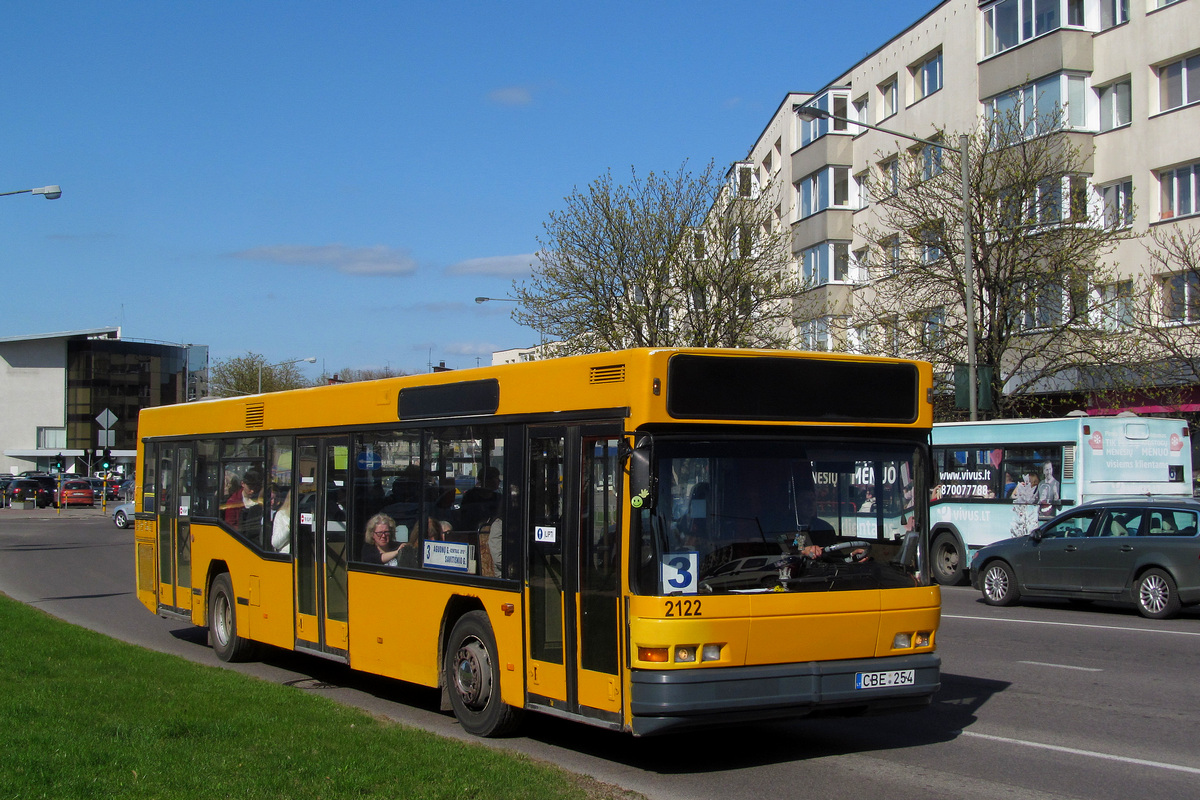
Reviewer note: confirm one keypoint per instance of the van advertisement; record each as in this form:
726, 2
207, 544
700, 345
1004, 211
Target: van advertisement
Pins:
1140, 455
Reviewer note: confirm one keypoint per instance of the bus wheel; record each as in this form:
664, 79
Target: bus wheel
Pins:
948, 560
1156, 595
472, 677
222, 622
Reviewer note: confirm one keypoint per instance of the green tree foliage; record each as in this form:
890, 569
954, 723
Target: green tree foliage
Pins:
240, 375
671, 259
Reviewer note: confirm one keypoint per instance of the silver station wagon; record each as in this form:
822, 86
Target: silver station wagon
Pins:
1143, 550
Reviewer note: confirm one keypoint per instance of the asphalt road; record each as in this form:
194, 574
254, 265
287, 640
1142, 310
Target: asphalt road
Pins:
1043, 700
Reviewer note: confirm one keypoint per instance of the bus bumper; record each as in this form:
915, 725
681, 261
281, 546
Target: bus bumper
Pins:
668, 700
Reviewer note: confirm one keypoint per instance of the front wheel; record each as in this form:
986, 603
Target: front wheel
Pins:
1155, 595
121, 520
999, 585
472, 676
948, 560
222, 622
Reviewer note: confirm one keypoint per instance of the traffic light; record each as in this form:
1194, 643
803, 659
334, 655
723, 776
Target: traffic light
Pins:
58, 462
106, 459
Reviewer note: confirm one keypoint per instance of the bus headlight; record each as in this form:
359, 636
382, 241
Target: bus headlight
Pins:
902, 641
711, 652
685, 654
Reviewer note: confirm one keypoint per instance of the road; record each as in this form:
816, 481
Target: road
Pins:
1042, 700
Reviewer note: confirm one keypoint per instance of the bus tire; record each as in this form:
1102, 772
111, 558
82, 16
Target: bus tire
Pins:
1155, 594
222, 622
949, 561
472, 678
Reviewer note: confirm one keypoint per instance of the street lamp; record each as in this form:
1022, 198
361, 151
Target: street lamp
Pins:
310, 360
496, 299
48, 192
812, 112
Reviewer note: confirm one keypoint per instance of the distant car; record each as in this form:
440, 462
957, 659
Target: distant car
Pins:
76, 492
125, 490
1140, 549
122, 515
29, 489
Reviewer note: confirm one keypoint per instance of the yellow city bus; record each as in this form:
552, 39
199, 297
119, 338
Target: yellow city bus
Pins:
645, 540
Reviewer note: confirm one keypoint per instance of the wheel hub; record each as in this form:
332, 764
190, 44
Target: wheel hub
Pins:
473, 674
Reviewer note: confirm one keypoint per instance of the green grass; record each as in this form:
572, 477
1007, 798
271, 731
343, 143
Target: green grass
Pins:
82, 715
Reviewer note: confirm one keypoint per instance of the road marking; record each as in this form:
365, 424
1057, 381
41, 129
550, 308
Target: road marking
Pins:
1061, 666
1073, 751
1072, 625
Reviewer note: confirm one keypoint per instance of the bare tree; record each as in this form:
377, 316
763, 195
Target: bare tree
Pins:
239, 375
671, 259
1039, 252
353, 375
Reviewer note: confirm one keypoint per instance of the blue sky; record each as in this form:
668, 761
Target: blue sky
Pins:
340, 180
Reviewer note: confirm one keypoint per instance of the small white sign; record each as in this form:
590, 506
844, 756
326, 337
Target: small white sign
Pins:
306, 518
454, 556
680, 572
545, 533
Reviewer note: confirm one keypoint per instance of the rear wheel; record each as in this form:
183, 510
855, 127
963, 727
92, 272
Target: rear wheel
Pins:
948, 560
1155, 595
999, 585
222, 622
472, 676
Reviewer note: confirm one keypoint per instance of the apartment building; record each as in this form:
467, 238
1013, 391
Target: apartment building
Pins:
1123, 77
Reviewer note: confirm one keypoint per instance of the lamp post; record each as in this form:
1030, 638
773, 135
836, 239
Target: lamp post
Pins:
310, 360
496, 299
812, 112
48, 192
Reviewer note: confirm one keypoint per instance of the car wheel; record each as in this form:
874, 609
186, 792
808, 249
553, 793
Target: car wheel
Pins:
121, 520
948, 560
472, 678
999, 585
222, 622
1155, 595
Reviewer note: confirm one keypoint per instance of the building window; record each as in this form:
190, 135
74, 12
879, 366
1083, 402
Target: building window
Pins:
889, 171
827, 262
930, 252
836, 103
1113, 12
814, 334
1164, 3
1181, 297
1118, 204
1041, 308
862, 188
931, 161
892, 254
927, 76
826, 188
862, 109
1117, 306
933, 328
747, 184
1009, 23
887, 96
1040, 107
1115, 107
698, 248
1179, 189
52, 438
1179, 83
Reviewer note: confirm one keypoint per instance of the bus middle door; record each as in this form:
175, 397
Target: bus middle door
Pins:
322, 621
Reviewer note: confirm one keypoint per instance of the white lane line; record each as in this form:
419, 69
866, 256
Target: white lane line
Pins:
1071, 625
1073, 751
1060, 666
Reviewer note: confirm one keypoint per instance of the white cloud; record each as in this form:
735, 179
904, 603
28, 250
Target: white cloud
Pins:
502, 266
377, 260
511, 96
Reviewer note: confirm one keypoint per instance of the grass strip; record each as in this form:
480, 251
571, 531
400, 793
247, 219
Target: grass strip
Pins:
86, 716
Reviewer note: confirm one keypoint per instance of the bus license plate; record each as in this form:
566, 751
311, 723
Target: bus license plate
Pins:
880, 680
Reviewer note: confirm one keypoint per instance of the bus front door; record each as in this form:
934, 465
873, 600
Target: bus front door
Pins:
321, 545
572, 576
173, 501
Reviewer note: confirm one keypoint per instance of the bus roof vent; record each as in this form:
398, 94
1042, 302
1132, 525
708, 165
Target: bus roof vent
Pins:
256, 415
614, 373
1068, 467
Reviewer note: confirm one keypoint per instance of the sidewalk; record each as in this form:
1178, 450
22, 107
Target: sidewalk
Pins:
50, 512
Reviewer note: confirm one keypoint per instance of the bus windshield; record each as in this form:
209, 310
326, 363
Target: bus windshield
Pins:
783, 516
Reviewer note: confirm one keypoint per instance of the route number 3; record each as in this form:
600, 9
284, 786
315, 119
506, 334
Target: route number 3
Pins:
680, 572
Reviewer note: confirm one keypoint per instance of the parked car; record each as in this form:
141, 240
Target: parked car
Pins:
125, 490
76, 492
122, 515
29, 489
1139, 549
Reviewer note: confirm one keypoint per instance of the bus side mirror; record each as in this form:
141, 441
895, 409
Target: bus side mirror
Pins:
641, 482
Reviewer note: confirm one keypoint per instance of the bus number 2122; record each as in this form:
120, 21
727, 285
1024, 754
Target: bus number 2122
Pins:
683, 608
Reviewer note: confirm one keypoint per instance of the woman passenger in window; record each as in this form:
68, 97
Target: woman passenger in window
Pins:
251, 520
380, 546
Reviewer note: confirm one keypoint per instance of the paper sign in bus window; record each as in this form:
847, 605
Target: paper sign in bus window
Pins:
680, 573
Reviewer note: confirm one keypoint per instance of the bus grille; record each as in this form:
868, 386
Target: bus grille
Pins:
614, 373
256, 415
